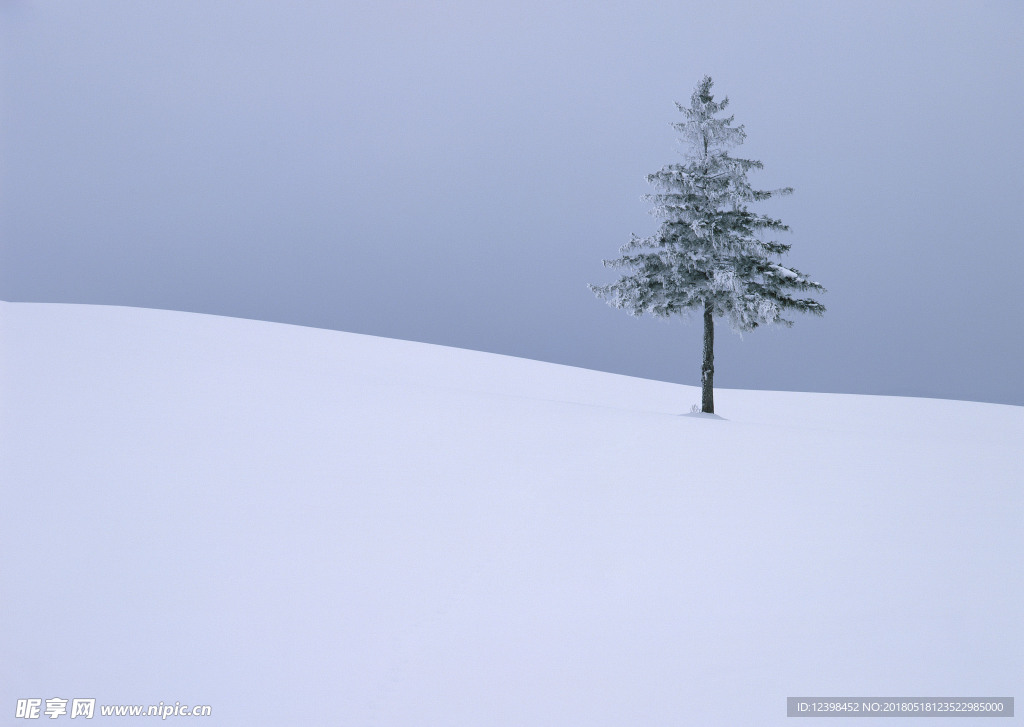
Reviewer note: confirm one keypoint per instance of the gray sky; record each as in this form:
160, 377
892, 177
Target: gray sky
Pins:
454, 172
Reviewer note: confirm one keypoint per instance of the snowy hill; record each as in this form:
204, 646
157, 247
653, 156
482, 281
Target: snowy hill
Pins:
305, 527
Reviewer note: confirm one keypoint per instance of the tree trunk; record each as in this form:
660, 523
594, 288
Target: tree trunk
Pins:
707, 369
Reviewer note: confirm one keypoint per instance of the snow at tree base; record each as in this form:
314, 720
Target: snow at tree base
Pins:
709, 253
306, 527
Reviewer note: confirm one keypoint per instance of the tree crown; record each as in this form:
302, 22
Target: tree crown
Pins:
709, 249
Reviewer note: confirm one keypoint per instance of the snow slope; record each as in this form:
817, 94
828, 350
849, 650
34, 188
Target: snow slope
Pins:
306, 527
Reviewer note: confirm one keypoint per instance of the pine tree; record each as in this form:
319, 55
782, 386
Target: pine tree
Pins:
709, 253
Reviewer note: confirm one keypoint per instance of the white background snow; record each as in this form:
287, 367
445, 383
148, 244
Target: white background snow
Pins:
304, 527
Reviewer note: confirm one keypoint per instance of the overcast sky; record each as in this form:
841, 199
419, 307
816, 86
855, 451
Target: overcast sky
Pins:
454, 172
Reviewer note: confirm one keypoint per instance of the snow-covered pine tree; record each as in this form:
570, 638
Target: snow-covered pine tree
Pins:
709, 253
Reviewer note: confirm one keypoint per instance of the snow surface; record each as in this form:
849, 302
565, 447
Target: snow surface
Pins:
305, 527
